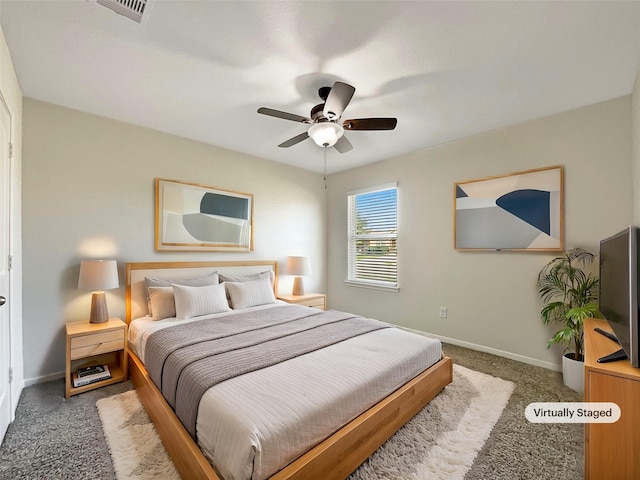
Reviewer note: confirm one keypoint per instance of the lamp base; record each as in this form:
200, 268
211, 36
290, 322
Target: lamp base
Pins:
99, 312
298, 286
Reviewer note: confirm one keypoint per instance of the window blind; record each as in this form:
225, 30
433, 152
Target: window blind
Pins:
372, 237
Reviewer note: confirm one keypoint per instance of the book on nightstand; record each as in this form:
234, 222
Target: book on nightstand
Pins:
92, 370
87, 375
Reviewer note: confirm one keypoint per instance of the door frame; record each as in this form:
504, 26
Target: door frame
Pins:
11, 392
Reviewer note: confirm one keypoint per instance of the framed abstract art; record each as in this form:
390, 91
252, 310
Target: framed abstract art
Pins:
191, 217
520, 211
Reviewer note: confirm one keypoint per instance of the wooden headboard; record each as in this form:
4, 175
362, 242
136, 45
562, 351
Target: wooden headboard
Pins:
136, 299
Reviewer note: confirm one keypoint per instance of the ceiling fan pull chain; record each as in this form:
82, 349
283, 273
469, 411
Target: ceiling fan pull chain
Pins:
325, 166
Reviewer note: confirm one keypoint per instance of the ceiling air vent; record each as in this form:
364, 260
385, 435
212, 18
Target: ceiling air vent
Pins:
133, 9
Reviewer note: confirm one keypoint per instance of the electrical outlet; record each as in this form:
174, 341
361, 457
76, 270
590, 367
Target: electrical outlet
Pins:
443, 312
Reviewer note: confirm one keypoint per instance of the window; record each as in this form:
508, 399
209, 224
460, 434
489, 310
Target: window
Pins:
373, 233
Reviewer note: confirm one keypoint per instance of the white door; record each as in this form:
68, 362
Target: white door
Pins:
5, 341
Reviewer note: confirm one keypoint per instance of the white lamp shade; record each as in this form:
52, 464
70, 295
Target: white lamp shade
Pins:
98, 275
326, 134
299, 266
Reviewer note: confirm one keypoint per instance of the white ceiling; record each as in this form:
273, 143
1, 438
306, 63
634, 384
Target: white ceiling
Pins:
446, 70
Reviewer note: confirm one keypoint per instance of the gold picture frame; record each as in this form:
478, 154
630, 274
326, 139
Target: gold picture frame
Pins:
194, 217
522, 211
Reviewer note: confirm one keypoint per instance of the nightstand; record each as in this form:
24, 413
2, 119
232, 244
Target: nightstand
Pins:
314, 300
96, 344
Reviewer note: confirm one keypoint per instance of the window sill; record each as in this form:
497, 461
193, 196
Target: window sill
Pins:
372, 286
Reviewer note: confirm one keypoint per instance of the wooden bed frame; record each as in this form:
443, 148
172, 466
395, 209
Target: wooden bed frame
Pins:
334, 458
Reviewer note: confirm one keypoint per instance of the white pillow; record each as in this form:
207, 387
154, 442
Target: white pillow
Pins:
250, 294
196, 301
199, 281
162, 302
246, 278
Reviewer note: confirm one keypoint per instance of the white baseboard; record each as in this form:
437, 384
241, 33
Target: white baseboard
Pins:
493, 351
43, 379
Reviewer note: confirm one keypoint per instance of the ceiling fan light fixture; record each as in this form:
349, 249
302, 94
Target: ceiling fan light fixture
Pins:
326, 134
326, 129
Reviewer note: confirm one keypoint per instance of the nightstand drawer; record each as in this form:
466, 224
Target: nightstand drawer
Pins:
88, 345
314, 302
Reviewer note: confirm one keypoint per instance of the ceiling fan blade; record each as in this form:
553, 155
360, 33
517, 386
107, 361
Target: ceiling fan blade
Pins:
337, 100
294, 140
287, 116
370, 124
343, 145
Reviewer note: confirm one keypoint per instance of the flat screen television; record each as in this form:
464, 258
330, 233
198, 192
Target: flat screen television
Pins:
618, 294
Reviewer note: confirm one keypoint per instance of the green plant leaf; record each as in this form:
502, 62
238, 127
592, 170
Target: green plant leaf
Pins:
569, 295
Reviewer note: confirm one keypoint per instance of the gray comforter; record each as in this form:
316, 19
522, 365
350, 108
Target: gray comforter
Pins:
185, 361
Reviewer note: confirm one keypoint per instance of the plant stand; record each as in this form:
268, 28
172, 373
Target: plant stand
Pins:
573, 374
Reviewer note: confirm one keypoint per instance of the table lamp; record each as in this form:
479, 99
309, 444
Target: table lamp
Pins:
298, 266
98, 276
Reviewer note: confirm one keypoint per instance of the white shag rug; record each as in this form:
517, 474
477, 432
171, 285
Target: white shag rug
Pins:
440, 442
443, 439
135, 447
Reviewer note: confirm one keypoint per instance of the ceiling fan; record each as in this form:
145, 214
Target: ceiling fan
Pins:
327, 130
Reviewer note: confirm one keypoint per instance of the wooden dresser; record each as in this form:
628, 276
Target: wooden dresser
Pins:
612, 450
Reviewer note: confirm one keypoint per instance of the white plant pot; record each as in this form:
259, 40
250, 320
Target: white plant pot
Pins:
573, 374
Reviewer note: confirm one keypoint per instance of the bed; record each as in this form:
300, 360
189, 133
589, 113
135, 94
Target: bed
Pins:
345, 434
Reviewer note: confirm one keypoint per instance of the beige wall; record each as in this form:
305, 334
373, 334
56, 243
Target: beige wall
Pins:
12, 96
89, 192
490, 296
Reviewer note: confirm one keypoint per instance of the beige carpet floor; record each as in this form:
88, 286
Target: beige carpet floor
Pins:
517, 449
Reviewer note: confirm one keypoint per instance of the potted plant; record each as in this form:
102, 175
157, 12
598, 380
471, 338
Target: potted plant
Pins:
569, 295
